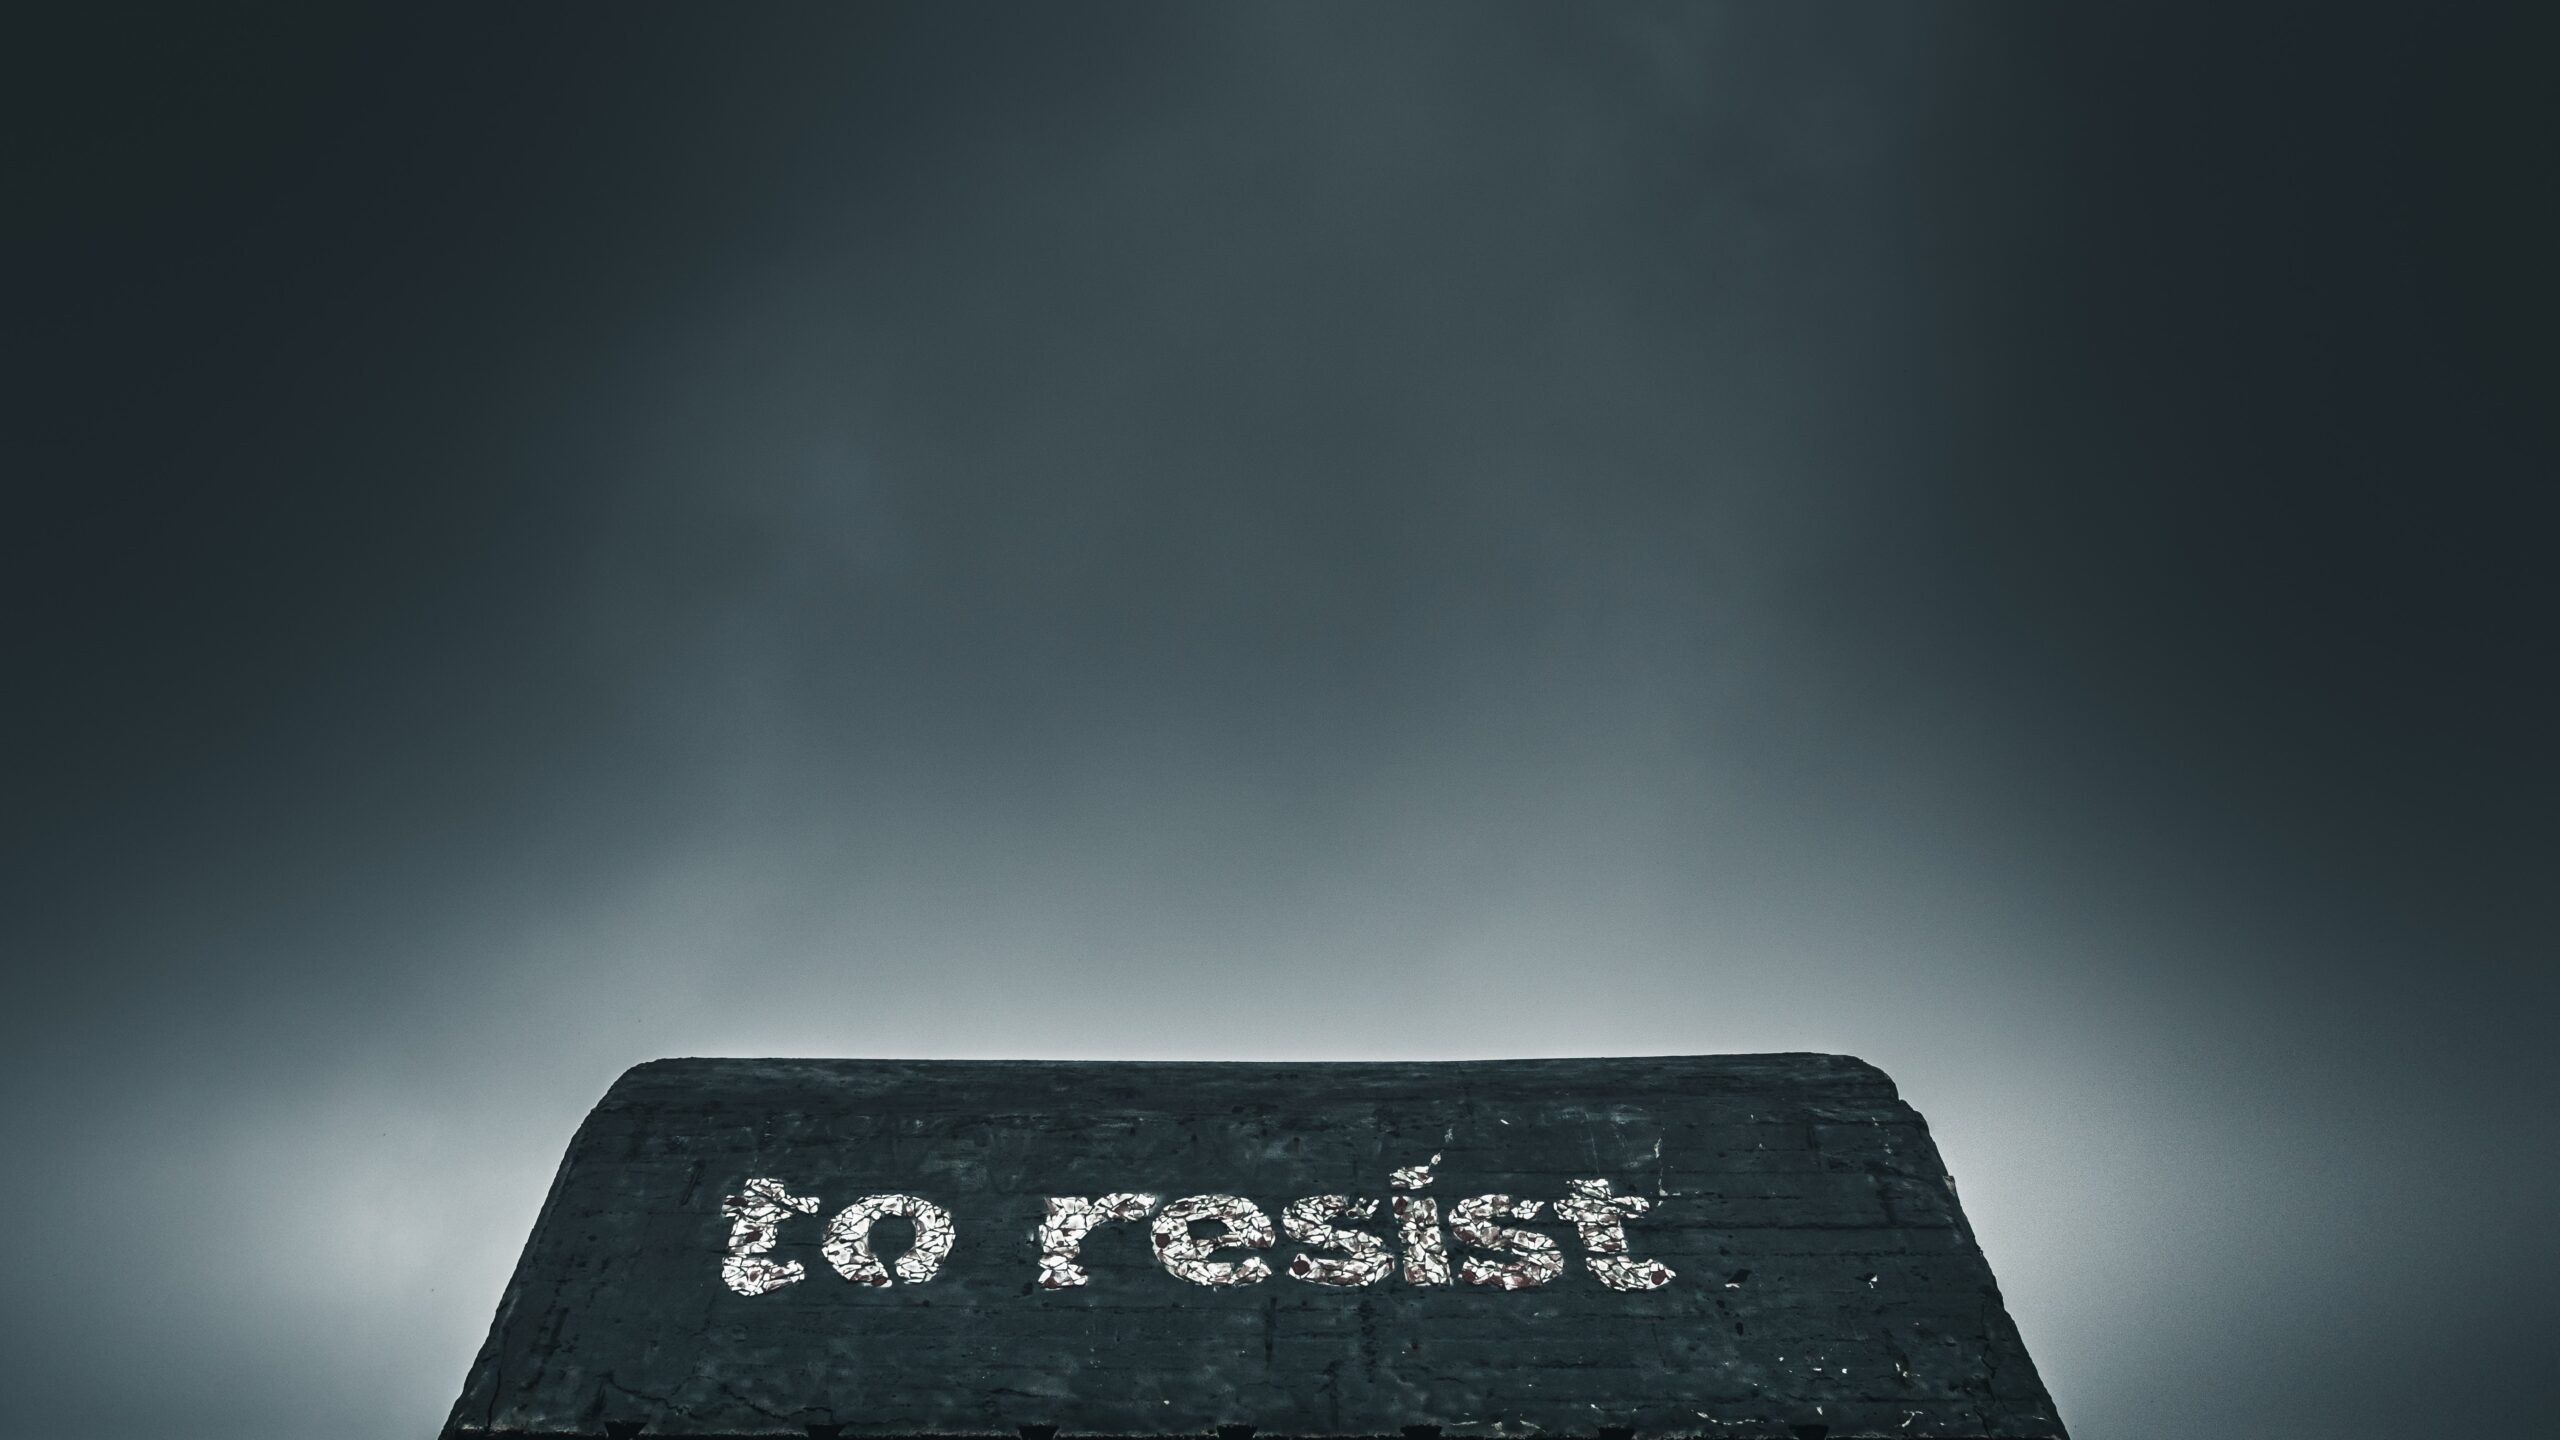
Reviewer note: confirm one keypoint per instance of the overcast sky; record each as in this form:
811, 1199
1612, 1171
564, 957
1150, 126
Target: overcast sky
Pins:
2000, 541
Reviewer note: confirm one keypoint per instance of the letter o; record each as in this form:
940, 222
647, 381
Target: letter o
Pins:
848, 1246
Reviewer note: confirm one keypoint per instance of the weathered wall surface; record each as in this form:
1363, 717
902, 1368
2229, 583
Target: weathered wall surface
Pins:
1800, 1265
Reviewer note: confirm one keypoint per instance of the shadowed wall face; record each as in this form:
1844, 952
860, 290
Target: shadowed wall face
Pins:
1995, 543
899, 1248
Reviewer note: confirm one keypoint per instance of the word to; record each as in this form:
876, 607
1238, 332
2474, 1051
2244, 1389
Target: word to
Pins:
1512, 1259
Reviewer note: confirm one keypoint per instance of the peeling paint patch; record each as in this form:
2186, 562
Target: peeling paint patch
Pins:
848, 1246
1186, 1255
1364, 1260
1602, 1217
755, 1223
1472, 1221
1070, 1219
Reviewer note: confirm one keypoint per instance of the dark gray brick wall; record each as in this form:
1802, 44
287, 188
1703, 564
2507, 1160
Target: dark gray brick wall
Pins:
1827, 1282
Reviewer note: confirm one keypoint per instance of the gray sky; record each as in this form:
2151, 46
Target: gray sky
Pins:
1996, 541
